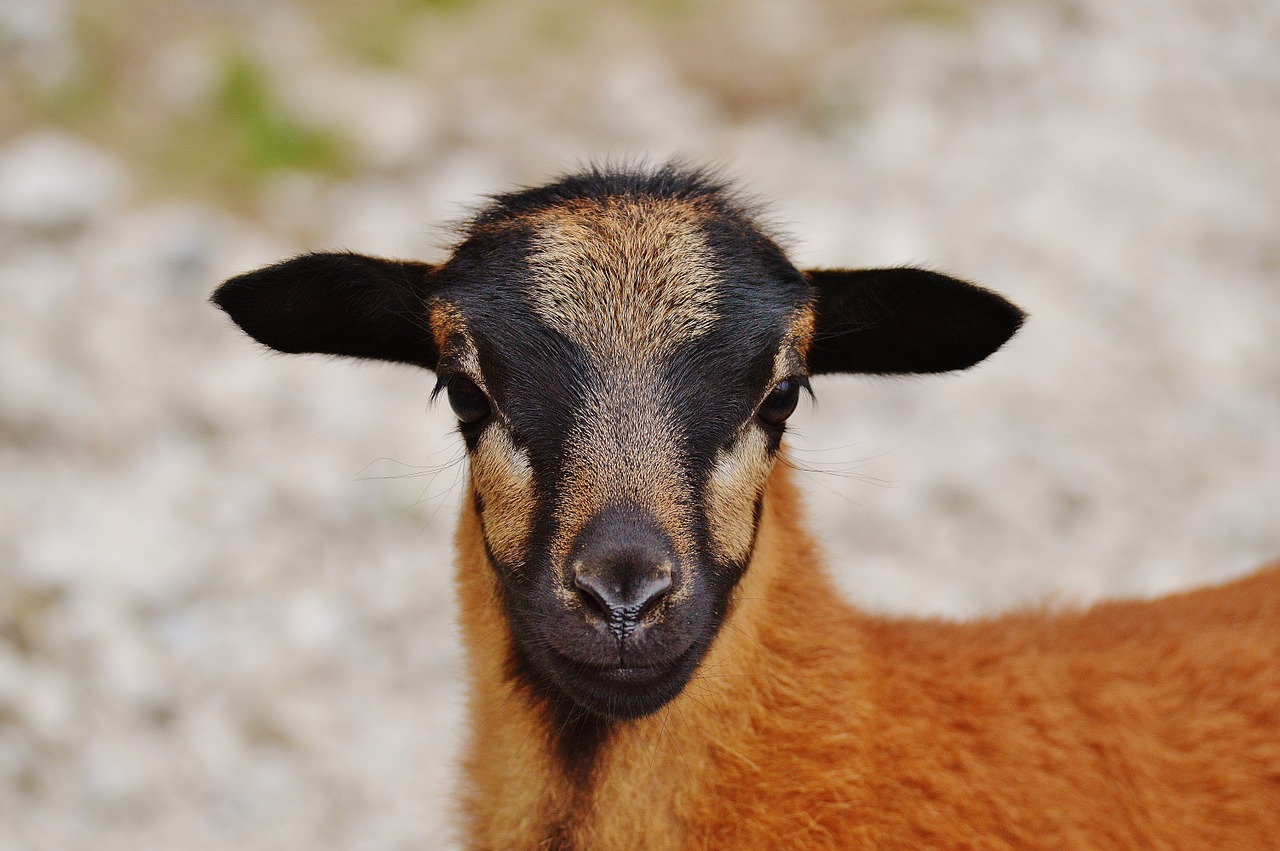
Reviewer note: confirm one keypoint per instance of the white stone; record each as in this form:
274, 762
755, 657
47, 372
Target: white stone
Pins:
52, 181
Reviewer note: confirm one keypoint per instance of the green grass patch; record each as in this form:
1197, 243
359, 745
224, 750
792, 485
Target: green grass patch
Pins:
245, 133
263, 133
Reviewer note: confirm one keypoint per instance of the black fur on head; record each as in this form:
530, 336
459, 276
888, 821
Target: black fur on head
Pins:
622, 348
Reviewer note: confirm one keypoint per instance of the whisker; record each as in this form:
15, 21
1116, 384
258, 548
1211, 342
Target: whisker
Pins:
841, 469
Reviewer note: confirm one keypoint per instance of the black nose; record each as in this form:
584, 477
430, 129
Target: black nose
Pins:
622, 569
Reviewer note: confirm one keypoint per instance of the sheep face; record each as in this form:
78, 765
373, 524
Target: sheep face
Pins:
622, 351
622, 384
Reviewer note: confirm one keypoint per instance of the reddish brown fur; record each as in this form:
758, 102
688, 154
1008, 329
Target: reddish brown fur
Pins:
811, 725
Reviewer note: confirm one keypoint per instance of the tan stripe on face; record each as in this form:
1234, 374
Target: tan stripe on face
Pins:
740, 471
800, 332
502, 476
625, 454
790, 359
500, 470
454, 342
735, 484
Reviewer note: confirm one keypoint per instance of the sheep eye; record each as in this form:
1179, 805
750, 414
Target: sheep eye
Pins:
780, 403
467, 400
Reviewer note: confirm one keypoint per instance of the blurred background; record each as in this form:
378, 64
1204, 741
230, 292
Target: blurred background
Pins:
225, 597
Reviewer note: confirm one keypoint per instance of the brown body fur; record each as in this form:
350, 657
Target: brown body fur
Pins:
810, 725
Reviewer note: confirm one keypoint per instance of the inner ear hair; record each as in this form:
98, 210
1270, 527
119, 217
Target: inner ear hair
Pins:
339, 304
904, 320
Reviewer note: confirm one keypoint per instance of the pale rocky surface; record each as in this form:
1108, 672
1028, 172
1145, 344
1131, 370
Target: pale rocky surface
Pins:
225, 597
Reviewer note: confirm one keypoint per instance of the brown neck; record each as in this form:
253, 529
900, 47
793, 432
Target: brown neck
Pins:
524, 791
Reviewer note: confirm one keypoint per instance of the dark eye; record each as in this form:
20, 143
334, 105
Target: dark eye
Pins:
780, 402
467, 400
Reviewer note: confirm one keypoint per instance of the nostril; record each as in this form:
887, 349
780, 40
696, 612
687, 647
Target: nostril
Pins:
593, 597
651, 592
621, 596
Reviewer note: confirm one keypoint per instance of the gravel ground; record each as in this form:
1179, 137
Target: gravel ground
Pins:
225, 604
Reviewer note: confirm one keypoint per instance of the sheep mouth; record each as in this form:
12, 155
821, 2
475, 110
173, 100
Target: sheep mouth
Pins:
620, 692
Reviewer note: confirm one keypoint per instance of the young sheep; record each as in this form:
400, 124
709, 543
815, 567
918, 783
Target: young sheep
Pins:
656, 659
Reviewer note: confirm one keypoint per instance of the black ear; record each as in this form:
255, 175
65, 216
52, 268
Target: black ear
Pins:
337, 304
893, 321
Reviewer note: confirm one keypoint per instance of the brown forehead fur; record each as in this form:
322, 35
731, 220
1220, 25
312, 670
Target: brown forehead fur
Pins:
627, 278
